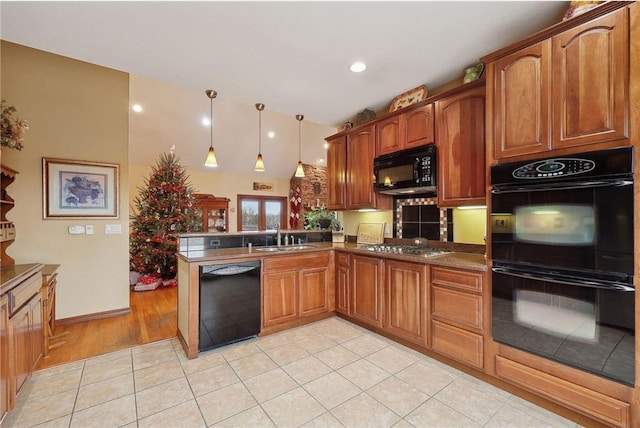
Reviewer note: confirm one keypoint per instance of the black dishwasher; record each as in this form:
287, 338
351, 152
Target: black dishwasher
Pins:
229, 303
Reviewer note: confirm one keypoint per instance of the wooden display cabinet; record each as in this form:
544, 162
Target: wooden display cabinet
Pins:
7, 229
213, 211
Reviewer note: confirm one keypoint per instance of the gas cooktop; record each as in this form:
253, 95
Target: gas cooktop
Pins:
406, 249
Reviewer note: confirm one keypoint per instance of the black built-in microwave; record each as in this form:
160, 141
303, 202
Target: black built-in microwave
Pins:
406, 172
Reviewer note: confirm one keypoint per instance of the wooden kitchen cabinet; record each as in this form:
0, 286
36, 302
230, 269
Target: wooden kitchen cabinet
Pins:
4, 357
457, 317
280, 294
366, 289
21, 346
590, 85
461, 147
213, 212
296, 286
336, 173
523, 85
412, 128
405, 306
343, 275
7, 228
568, 90
359, 184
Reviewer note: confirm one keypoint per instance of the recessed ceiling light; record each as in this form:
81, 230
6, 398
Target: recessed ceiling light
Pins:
358, 67
137, 108
206, 121
271, 134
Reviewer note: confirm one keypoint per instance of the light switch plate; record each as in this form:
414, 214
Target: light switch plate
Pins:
88, 229
112, 229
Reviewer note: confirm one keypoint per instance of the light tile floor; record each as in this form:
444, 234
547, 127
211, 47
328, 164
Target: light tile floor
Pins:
327, 374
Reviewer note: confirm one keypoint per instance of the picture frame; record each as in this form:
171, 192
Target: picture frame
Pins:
408, 98
75, 189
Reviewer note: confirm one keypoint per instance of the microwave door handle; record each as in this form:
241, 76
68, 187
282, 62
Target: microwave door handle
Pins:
558, 280
417, 178
563, 186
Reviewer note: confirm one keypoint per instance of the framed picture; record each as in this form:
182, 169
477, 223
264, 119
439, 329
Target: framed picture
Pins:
79, 189
409, 98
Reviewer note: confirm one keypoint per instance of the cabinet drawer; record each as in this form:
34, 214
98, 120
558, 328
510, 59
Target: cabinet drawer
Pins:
342, 259
464, 280
21, 294
587, 401
457, 343
456, 306
308, 260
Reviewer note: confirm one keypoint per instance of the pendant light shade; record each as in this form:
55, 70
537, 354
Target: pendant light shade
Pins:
299, 169
259, 162
211, 161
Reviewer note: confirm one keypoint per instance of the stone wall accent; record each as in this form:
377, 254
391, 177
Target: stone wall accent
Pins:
313, 189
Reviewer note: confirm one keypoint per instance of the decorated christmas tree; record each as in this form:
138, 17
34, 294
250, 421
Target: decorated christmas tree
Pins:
164, 207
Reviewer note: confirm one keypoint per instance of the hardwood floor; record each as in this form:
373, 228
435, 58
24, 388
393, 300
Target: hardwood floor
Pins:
153, 317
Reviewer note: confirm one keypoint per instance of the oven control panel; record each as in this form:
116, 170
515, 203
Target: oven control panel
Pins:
554, 168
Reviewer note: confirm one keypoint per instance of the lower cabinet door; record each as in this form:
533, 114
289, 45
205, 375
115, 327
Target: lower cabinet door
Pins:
457, 343
280, 298
342, 283
37, 332
366, 297
314, 291
22, 344
4, 356
406, 300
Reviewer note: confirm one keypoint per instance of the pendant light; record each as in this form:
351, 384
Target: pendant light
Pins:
211, 161
259, 162
299, 169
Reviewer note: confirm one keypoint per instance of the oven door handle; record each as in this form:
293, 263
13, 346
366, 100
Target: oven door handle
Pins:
564, 186
603, 285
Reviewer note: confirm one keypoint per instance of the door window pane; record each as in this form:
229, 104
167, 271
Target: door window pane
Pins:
249, 215
273, 213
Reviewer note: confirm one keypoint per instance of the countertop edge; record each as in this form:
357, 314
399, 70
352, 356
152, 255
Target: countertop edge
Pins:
6, 284
471, 261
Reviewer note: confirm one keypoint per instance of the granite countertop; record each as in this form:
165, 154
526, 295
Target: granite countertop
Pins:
12, 275
456, 259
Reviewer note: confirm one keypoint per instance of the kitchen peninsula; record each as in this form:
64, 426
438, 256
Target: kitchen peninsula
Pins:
316, 280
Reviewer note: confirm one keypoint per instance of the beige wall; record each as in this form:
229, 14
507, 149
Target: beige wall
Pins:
225, 185
75, 110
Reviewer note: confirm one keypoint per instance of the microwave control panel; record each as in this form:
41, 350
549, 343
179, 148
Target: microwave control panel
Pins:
554, 168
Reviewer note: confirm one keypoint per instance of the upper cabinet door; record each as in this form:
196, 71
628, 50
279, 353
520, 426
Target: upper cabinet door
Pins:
461, 150
419, 127
360, 154
389, 135
336, 173
590, 82
521, 106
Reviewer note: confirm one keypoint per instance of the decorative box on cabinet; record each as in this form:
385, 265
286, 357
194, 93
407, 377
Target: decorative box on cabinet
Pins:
461, 147
562, 89
412, 128
457, 321
214, 212
7, 229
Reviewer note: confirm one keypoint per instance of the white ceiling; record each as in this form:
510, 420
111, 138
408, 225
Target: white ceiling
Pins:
291, 56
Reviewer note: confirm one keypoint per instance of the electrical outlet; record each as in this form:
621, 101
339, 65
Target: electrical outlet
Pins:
88, 229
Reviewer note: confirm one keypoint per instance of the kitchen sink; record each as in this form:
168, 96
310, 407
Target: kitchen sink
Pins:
284, 248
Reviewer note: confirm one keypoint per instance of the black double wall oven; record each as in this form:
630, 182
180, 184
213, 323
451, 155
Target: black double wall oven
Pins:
562, 247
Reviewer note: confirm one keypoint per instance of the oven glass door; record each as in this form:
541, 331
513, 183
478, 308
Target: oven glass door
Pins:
581, 324
573, 227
